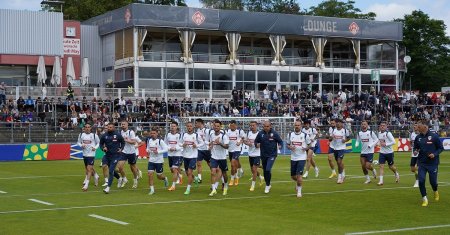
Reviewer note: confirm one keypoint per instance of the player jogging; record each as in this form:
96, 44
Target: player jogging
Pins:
413, 163
190, 142
218, 144
89, 142
112, 144
340, 136
236, 137
298, 142
331, 148
254, 154
368, 141
175, 154
128, 154
155, 149
312, 135
386, 141
203, 152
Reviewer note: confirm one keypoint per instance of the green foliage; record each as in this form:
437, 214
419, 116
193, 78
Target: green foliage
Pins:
335, 8
429, 48
223, 4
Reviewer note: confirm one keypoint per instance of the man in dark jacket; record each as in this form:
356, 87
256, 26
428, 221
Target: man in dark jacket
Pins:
269, 142
112, 144
427, 147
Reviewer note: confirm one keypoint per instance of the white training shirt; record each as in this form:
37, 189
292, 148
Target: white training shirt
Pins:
388, 138
128, 148
173, 141
338, 138
368, 141
301, 141
312, 134
235, 137
90, 141
412, 138
203, 133
330, 133
158, 145
217, 151
253, 151
136, 145
190, 139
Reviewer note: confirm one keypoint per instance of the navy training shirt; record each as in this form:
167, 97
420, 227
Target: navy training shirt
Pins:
113, 141
426, 144
268, 143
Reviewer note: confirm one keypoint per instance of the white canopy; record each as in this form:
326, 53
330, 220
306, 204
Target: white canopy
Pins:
70, 71
41, 72
56, 73
85, 72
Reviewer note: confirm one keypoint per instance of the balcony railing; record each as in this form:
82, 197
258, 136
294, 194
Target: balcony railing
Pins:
267, 60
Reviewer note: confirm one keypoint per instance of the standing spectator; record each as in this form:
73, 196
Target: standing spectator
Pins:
2, 93
70, 92
266, 93
235, 94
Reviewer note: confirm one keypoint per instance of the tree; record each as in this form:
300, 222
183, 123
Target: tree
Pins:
429, 48
223, 4
335, 8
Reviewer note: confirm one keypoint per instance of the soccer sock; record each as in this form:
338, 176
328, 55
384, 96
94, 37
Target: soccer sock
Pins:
188, 187
381, 178
216, 184
253, 183
425, 198
367, 177
213, 186
86, 183
85, 178
174, 184
343, 173
152, 188
316, 168
236, 175
333, 171
306, 173
261, 177
96, 175
223, 180
125, 178
233, 176
199, 176
106, 180
299, 189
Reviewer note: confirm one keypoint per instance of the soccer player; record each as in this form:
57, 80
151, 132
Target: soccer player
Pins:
218, 144
175, 154
312, 134
203, 152
386, 141
413, 163
340, 136
236, 137
368, 141
128, 154
331, 148
190, 142
112, 144
269, 141
298, 142
89, 142
254, 153
427, 147
156, 149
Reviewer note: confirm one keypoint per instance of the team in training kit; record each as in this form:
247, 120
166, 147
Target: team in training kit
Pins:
187, 150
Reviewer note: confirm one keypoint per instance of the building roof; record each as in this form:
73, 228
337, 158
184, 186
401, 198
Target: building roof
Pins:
148, 15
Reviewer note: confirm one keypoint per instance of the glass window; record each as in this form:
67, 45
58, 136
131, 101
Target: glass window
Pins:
267, 76
307, 75
330, 78
366, 79
173, 43
245, 75
349, 78
199, 85
221, 85
175, 84
221, 79
387, 79
288, 76
219, 45
201, 44
150, 83
199, 74
146, 72
175, 74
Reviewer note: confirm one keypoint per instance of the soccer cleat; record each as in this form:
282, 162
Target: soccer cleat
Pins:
252, 188
213, 192
84, 188
305, 175
106, 190
367, 181
333, 174
317, 172
424, 202
105, 184
397, 178
416, 184
166, 182
151, 192
299, 194
380, 183
135, 183
374, 173
339, 180
124, 182
119, 183
267, 189
236, 181
172, 188
196, 181
187, 192
139, 174
231, 182
436, 196
225, 191
96, 177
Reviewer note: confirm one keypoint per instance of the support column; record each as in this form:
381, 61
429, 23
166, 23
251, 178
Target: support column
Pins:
162, 82
397, 77
359, 83
278, 86
210, 84
233, 78
320, 84
340, 81
187, 38
278, 43
186, 82
135, 62
357, 50
319, 46
233, 45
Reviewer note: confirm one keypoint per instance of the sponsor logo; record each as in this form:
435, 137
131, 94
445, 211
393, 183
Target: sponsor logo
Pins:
173, 142
198, 18
353, 28
87, 142
233, 138
365, 140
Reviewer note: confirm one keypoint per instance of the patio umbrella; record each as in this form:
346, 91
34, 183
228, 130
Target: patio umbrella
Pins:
56, 73
41, 72
70, 71
85, 72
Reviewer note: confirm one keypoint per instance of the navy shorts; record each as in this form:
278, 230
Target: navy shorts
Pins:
413, 161
268, 163
367, 156
339, 154
132, 158
330, 150
175, 161
254, 161
88, 161
297, 167
222, 164
158, 167
315, 149
234, 155
204, 155
190, 163
389, 157
108, 159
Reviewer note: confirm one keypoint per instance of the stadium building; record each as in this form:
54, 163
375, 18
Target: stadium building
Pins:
190, 49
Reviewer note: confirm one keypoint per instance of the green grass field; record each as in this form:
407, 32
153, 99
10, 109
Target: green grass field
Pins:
326, 207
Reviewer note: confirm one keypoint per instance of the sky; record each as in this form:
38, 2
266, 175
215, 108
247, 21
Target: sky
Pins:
385, 9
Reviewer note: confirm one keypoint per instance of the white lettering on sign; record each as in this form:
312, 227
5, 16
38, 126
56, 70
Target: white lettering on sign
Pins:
320, 26
71, 46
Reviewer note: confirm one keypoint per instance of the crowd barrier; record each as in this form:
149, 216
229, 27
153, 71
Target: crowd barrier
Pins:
49, 152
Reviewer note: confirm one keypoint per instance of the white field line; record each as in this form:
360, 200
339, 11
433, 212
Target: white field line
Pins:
38, 176
401, 229
131, 204
3, 192
108, 219
41, 202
